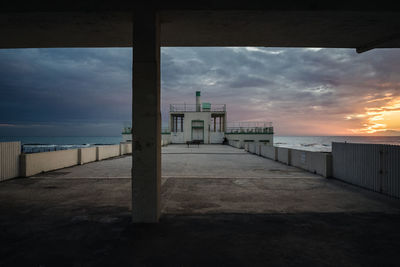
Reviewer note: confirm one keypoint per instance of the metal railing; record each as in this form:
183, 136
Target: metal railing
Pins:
127, 130
194, 108
250, 127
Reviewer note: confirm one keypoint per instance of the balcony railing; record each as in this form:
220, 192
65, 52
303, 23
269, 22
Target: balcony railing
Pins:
250, 128
194, 108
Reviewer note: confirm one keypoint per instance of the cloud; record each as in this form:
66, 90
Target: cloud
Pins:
302, 90
313, 87
65, 85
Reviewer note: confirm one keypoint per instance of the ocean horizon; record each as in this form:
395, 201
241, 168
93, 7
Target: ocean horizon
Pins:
309, 143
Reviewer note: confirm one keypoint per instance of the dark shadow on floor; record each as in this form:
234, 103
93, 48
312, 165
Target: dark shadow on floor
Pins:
302, 239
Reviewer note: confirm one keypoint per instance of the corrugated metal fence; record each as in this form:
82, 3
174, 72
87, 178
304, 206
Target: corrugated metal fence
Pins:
373, 166
9, 160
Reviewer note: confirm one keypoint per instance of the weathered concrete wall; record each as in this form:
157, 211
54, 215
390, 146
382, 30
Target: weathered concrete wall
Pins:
255, 147
234, 143
242, 137
87, 154
315, 162
216, 137
177, 138
245, 146
258, 148
269, 152
187, 125
125, 148
9, 160
283, 155
31, 164
165, 139
35, 163
105, 152
251, 147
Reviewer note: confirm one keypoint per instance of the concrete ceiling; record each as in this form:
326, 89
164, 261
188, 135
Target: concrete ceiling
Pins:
283, 25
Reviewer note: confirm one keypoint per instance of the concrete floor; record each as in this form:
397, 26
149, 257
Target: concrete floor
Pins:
221, 206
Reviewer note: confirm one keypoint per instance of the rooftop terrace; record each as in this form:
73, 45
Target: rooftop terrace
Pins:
240, 210
251, 127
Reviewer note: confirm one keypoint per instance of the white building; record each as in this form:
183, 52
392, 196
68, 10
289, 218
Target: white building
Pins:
207, 123
202, 122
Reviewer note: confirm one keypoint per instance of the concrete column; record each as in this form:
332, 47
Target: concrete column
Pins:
181, 124
146, 116
215, 124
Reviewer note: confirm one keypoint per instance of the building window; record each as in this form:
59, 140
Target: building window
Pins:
177, 123
217, 123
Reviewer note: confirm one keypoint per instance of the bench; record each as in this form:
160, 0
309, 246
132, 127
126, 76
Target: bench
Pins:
193, 142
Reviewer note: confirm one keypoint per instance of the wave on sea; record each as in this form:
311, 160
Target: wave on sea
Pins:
35, 148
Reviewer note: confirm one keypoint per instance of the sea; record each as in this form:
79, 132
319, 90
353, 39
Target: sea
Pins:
33, 144
324, 143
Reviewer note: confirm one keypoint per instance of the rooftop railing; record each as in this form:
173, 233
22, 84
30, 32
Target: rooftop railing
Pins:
249, 128
194, 108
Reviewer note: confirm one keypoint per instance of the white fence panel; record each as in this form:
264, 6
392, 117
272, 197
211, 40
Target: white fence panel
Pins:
283, 155
9, 160
234, 143
268, 151
47, 161
87, 154
252, 147
109, 151
372, 166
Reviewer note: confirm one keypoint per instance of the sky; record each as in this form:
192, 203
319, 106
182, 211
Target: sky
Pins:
303, 91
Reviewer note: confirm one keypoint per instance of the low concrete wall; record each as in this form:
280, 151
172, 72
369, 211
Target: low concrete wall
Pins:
256, 138
35, 163
269, 152
315, 162
251, 147
165, 139
258, 149
177, 138
31, 164
105, 152
87, 154
234, 143
283, 155
216, 137
125, 148
9, 160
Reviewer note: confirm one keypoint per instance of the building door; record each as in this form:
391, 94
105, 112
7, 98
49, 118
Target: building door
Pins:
198, 130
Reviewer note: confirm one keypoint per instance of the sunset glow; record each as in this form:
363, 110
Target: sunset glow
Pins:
382, 117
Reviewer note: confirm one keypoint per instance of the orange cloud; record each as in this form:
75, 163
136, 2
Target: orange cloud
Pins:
379, 118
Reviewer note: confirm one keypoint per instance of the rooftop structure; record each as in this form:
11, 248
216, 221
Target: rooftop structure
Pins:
207, 123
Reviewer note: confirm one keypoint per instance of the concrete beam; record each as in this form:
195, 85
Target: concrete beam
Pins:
222, 24
146, 156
